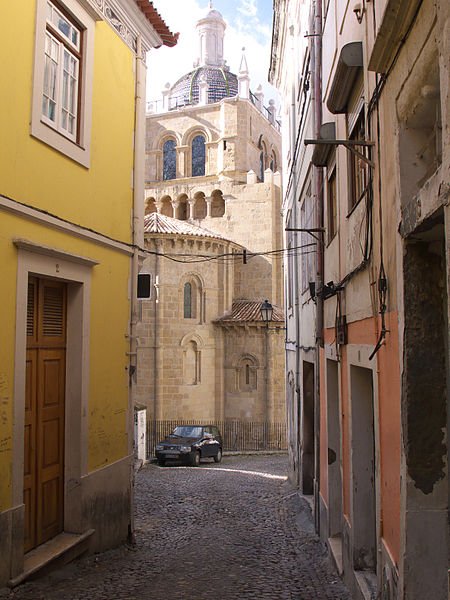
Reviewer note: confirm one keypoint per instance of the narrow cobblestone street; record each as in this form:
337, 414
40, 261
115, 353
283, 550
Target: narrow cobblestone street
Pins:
228, 531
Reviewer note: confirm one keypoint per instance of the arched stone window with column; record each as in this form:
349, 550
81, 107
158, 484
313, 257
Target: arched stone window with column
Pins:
165, 206
192, 298
191, 346
247, 373
217, 204
273, 165
198, 156
169, 159
150, 205
200, 206
182, 211
263, 158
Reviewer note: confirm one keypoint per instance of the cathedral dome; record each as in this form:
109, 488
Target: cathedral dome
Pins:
214, 14
221, 84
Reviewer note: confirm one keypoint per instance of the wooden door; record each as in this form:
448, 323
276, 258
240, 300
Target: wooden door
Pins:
44, 411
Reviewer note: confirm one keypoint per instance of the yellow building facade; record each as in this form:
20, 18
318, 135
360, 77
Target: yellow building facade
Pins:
71, 225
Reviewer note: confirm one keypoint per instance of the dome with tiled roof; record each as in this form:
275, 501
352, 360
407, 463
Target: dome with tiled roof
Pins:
210, 69
221, 84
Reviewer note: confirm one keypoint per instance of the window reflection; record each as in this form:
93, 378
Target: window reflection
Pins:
198, 156
169, 160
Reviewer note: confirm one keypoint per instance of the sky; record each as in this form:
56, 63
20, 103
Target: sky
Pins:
249, 25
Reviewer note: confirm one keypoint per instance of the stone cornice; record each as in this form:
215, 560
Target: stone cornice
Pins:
128, 22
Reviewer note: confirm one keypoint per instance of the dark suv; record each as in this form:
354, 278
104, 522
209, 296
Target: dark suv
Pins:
190, 443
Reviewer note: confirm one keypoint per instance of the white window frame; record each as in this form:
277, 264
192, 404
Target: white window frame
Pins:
77, 146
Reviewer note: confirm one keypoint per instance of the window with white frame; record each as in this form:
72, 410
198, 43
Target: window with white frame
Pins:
61, 72
358, 168
63, 77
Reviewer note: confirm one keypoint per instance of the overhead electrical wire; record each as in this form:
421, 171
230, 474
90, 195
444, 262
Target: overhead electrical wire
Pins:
233, 256
278, 253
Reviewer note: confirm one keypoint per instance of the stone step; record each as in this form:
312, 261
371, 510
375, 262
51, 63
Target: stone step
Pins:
58, 551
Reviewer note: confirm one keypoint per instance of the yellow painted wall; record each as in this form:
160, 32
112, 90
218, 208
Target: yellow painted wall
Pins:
34, 173
99, 198
108, 383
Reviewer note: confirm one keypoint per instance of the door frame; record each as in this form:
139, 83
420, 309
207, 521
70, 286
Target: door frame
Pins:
76, 271
358, 356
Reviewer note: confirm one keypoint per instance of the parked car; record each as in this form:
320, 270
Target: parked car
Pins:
190, 443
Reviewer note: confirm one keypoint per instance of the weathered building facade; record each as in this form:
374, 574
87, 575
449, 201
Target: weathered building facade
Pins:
73, 71
368, 136
213, 229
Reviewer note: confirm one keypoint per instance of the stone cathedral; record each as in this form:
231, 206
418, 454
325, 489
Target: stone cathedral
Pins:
213, 236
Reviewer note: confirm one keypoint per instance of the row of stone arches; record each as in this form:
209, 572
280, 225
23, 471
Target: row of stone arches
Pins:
184, 208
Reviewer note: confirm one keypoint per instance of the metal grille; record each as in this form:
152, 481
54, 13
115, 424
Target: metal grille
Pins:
237, 436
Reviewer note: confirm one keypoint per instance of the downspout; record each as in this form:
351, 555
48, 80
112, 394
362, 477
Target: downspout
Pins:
297, 301
318, 194
138, 242
156, 377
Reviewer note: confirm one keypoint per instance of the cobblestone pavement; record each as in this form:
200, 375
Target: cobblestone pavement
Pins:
228, 531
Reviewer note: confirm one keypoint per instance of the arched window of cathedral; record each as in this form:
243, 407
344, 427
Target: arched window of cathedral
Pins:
166, 206
217, 204
183, 206
200, 208
247, 374
188, 301
198, 156
191, 363
262, 158
169, 160
192, 300
273, 162
150, 206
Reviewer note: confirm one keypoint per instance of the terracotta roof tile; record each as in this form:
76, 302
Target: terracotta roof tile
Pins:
154, 18
244, 311
157, 223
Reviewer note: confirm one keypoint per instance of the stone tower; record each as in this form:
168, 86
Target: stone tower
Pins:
214, 237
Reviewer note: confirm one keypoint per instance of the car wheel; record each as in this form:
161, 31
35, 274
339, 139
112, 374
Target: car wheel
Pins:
195, 459
161, 462
218, 456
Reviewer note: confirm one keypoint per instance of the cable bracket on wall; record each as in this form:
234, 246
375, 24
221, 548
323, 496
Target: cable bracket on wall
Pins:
349, 144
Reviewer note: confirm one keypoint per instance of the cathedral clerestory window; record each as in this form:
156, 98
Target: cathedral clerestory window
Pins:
169, 160
187, 301
198, 156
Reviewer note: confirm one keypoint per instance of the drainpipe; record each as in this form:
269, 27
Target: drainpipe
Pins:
156, 375
316, 68
138, 241
297, 413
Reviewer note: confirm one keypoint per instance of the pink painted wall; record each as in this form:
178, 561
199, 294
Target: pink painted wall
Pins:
363, 332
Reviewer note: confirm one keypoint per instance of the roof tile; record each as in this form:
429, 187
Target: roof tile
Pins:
244, 311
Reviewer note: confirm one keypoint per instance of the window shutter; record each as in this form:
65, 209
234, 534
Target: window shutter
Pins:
31, 309
53, 311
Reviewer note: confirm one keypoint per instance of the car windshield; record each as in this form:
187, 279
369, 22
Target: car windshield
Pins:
187, 431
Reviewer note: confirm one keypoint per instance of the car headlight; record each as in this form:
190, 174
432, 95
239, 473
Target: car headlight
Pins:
185, 448
159, 447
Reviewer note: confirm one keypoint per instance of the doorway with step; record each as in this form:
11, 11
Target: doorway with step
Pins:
44, 424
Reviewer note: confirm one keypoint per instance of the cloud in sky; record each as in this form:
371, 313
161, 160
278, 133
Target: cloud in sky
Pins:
248, 25
248, 8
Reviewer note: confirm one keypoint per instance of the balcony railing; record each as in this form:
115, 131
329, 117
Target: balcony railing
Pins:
173, 103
